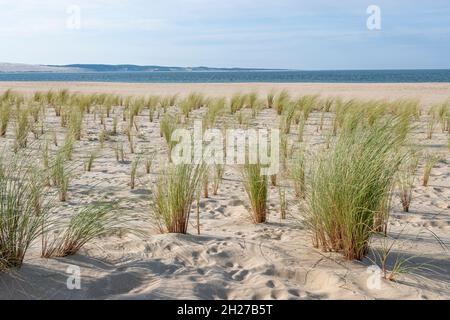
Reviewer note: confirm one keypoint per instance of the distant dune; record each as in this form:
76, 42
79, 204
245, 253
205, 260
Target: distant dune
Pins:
18, 67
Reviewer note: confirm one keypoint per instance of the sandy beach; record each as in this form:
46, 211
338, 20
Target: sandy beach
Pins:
233, 258
427, 92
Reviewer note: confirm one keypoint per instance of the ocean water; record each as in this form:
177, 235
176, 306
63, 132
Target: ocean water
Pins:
350, 76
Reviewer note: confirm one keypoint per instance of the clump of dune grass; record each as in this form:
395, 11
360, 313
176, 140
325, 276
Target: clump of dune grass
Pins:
152, 104
327, 104
205, 182
23, 210
133, 172
168, 101
287, 116
131, 143
219, 170
76, 123
168, 125
242, 119
281, 101
430, 161
251, 99
251, 102
306, 104
36, 112
192, 102
67, 147
342, 110
297, 173
405, 107
441, 112
5, 114
172, 197
270, 99
102, 137
257, 107
90, 160
213, 111
114, 126
135, 108
64, 116
349, 187
22, 128
60, 175
90, 222
256, 186
430, 126
406, 179
237, 102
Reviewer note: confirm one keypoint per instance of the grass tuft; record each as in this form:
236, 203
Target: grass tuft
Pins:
349, 187
430, 161
172, 197
23, 212
92, 221
256, 186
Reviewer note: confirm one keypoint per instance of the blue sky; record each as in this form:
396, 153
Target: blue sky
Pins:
292, 34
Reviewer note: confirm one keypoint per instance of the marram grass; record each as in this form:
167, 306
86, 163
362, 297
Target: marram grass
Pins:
430, 161
406, 178
90, 222
172, 197
5, 115
281, 101
23, 211
256, 186
349, 187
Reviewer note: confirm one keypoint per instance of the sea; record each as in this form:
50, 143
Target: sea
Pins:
340, 76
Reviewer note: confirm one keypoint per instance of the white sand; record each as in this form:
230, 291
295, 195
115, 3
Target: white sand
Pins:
428, 92
233, 258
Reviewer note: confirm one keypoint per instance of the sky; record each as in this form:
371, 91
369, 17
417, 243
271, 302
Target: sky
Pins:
288, 34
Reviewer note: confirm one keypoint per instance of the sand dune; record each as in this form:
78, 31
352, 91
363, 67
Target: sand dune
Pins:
233, 258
